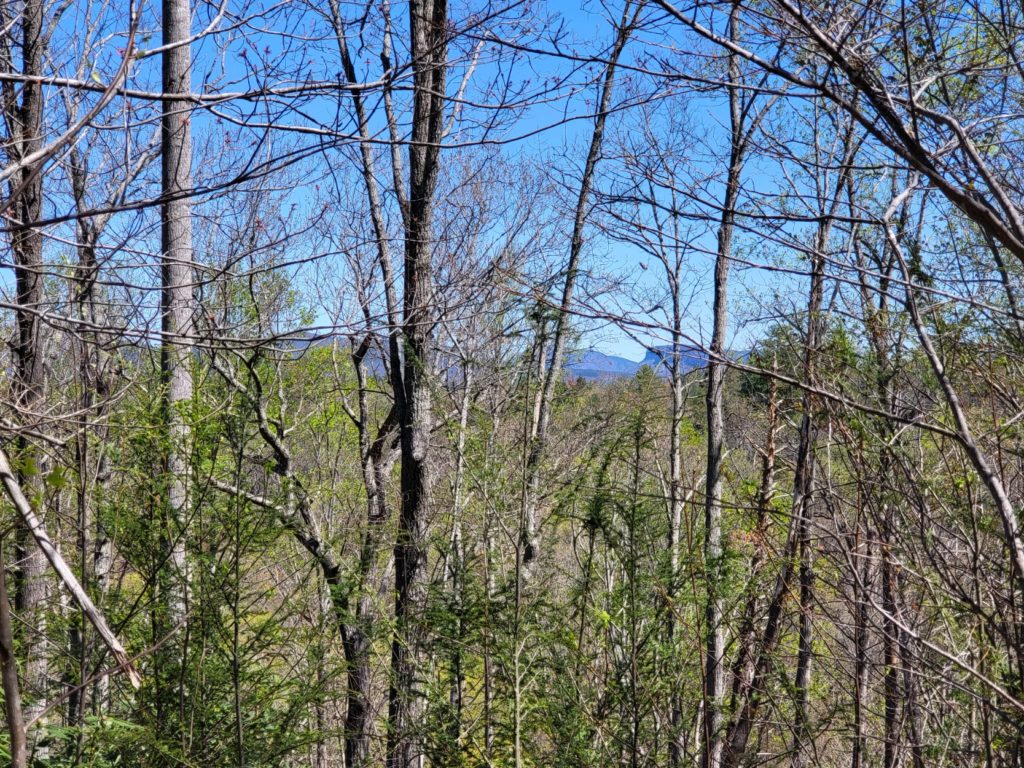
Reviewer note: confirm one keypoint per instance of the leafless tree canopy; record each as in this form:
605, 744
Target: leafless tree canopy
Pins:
519, 384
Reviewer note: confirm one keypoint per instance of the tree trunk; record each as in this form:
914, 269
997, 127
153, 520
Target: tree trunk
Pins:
861, 562
376, 454
891, 736
714, 669
9, 670
457, 564
745, 666
530, 534
376, 457
176, 326
428, 25
90, 450
803, 490
26, 123
177, 301
676, 505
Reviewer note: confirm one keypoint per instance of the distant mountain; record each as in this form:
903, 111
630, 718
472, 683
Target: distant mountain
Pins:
588, 364
660, 358
592, 365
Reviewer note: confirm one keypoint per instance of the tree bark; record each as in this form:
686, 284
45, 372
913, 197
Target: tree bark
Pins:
176, 319
457, 564
804, 511
376, 455
177, 308
803, 490
25, 121
94, 375
9, 671
861, 583
428, 26
675, 521
745, 665
714, 661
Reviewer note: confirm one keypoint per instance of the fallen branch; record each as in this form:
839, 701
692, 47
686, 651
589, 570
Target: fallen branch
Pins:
24, 508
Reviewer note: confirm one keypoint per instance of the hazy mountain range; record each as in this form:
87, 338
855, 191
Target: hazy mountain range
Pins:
592, 365
588, 364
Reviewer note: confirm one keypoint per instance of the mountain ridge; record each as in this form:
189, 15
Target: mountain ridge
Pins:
588, 364
593, 365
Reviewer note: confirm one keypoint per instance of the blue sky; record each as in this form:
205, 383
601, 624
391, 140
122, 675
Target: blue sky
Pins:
235, 60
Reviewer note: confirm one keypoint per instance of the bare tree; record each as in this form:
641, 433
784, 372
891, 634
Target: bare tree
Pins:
176, 311
23, 115
552, 364
12, 688
714, 664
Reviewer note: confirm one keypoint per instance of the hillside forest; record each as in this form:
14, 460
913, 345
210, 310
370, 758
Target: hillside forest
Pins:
512, 383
